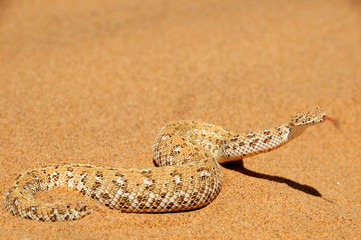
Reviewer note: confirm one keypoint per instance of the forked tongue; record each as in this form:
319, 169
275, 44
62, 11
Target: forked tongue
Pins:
334, 121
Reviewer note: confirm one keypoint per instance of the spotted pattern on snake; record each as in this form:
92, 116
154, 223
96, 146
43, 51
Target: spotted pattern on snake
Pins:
188, 175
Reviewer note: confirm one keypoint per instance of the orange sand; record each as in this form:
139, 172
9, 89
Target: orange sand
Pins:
94, 81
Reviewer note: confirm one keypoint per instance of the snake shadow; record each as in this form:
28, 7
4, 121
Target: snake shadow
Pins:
239, 167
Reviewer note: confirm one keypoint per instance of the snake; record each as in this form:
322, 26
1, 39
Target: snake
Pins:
187, 175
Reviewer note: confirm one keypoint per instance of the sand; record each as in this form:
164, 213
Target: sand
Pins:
94, 81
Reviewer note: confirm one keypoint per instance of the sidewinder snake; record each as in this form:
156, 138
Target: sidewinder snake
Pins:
188, 155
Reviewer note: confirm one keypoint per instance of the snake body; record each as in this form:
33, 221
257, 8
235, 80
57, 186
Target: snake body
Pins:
188, 175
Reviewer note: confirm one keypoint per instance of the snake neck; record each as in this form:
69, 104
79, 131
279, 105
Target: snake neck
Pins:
249, 144
295, 131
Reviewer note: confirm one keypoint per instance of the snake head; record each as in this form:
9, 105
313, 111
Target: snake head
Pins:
308, 118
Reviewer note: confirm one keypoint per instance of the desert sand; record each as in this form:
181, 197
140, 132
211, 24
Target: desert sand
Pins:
94, 81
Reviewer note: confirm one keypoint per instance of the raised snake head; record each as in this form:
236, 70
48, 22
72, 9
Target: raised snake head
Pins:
308, 118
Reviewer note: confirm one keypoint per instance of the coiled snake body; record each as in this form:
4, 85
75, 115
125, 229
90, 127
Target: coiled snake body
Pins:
188, 154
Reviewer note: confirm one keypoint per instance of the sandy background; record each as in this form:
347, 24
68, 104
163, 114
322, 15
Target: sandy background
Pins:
94, 81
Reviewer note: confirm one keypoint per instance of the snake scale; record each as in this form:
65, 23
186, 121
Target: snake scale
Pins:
188, 155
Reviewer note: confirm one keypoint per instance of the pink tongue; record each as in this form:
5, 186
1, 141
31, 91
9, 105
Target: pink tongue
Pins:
331, 120
327, 118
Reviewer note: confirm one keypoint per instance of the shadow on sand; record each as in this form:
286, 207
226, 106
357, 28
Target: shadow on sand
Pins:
239, 167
